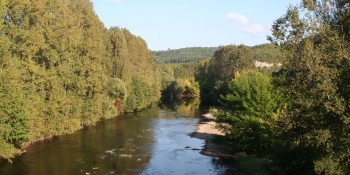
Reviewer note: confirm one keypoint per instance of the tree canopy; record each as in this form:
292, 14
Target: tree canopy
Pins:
314, 128
269, 53
248, 111
184, 55
61, 69
214, 74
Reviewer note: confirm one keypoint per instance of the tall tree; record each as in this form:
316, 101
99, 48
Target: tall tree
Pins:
314, 129
215, 74
120, 55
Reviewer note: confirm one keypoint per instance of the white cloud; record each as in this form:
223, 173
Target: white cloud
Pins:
237, 18
117, 1
254, 29
245, 24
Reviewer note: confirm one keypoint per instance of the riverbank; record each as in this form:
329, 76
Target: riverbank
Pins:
244, 163
207, 131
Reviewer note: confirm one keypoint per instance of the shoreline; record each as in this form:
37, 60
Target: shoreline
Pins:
206, 131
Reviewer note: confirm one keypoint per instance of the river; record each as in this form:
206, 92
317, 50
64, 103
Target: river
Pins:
153, 142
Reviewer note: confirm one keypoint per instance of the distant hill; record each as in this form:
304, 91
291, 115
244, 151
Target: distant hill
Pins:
263, 53
184, 55
267, 53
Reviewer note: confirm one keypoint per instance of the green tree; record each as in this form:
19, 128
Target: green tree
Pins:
314, 129
230, 59
214, 74
120, 66
248, 114
61, 69
14, 123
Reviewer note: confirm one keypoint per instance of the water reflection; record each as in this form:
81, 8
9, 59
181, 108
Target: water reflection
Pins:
153, 141
183, 107
118, 146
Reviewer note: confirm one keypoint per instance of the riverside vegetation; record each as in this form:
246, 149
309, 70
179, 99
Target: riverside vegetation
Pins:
61, 69
299, 117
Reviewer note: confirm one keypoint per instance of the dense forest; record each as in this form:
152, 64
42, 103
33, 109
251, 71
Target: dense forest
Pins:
269, 53
61, 69
184, 55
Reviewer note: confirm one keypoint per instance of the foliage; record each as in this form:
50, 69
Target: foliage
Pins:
13, 120
7, 150
181, 87
314, 129
184, 55
248, 114
253, 166
117, 89
230, 59
214, 74
61, 69
264, 53
269, 53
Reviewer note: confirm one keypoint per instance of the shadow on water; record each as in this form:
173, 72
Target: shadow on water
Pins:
154, 141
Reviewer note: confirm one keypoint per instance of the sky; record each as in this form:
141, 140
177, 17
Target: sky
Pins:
174, 24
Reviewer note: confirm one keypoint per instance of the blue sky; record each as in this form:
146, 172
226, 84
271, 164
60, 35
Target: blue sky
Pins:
177, 24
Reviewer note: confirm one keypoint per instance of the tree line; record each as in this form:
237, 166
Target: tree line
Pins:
297, 117
61, 69
183, 55
269, 53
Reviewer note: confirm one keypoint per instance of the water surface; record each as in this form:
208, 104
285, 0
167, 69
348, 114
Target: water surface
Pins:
150, 142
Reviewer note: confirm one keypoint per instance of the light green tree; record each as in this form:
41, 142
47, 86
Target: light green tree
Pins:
248, 117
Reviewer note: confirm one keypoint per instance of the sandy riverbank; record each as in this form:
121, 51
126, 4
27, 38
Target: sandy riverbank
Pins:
206, 131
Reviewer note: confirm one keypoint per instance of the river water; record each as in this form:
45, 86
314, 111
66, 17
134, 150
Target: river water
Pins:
153, 142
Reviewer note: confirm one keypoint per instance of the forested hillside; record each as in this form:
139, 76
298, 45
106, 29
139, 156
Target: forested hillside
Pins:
61, 69
269, 53
185, 55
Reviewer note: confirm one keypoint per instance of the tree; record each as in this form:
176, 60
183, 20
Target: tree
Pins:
314, 128
120, 66
214, 74
248, 114
230, 59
